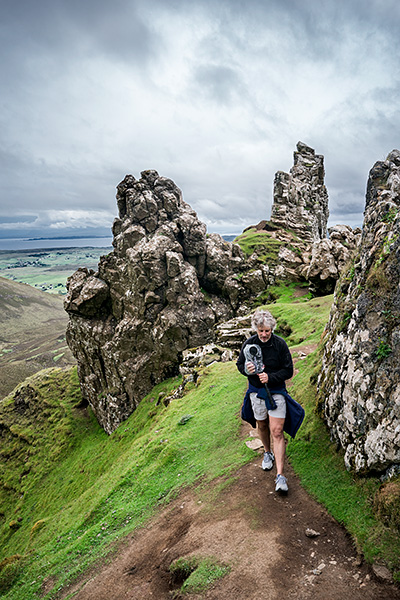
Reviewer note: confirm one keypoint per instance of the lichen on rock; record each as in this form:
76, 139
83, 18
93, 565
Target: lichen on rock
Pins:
162, 290
297, 230
359, 386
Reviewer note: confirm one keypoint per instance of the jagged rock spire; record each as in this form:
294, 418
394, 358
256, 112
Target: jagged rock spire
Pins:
300, 196
162, 290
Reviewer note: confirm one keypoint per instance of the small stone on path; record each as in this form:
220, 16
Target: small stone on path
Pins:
382, 574
254, 444
311, 533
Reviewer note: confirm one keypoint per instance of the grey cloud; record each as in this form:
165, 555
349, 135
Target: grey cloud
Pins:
29, 184
212, 94
217, 82
62, 30
15, 219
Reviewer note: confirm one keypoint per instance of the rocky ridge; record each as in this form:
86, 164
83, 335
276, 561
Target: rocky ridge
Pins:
309, 251
161, 291
168, 284
359, 386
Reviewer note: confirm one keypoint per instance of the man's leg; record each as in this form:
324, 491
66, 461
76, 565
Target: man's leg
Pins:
263, 430
276, 426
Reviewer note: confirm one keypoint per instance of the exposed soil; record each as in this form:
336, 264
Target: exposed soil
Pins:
247, 525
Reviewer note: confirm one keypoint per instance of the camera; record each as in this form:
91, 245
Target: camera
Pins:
253, 354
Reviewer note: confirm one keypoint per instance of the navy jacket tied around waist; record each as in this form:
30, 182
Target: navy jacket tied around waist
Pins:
294, 411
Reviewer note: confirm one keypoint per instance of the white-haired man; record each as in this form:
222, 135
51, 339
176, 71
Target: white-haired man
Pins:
277, 367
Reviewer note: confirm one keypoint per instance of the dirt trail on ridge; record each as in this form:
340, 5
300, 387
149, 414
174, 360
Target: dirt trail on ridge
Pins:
260, 534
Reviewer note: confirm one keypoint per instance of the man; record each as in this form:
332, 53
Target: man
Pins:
277, 367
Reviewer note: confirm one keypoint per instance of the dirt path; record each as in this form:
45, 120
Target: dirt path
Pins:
261, 535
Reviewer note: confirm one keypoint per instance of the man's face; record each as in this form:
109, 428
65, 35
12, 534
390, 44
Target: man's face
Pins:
264, 333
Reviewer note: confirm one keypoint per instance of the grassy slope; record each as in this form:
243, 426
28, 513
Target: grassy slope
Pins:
260, 242
75, 490
32, 333
70, 490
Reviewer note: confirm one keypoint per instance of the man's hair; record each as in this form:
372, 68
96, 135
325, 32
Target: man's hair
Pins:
262, 318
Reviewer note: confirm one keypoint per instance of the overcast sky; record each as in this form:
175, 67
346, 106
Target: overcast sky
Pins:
213, 94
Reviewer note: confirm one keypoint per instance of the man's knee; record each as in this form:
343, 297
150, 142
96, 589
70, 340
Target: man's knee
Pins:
262, 425
277, 432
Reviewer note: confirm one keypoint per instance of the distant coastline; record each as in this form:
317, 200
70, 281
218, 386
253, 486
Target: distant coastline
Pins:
65, 237
41, 243
15, 244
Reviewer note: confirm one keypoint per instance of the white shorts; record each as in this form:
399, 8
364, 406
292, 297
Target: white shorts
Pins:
260, 410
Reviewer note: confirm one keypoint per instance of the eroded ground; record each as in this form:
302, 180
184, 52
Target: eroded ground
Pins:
262, 537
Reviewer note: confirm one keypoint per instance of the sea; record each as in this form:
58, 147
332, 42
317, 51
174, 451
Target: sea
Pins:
15, 244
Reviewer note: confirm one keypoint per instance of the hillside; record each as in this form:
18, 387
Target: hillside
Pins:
70, 494
32, 333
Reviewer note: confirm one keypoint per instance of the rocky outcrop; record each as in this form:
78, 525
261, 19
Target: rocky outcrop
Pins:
359, 386
161, 291
233, 333
298, 222
329, 257
300, 196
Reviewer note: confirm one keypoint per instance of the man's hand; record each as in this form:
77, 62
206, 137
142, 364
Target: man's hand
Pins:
250, 368
263, 377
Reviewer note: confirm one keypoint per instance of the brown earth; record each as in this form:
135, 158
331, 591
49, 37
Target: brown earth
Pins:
261, 535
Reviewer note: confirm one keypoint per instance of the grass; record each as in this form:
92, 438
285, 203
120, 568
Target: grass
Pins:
300, 319
69, 492
198, 573
48, 270
73, 491
266, 247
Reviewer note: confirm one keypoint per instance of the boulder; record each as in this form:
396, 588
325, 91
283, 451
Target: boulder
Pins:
161, 291
330, 256
234, 333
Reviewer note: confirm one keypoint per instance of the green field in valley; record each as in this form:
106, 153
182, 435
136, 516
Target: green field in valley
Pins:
48, 269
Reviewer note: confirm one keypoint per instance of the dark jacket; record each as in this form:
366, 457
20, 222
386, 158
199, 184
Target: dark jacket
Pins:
277, 360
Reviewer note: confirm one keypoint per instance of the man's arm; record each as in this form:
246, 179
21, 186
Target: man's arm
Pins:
286, 370
241, 361
244, 367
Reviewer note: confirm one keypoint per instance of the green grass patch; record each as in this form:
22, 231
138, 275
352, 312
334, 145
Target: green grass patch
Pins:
348, 497
299, 318
73, 490
294, 292
197, 573
260, 242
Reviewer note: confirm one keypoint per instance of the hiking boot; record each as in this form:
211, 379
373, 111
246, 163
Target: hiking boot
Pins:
268, 461
281, 485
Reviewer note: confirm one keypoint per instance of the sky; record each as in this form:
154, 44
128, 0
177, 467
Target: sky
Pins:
214, 94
